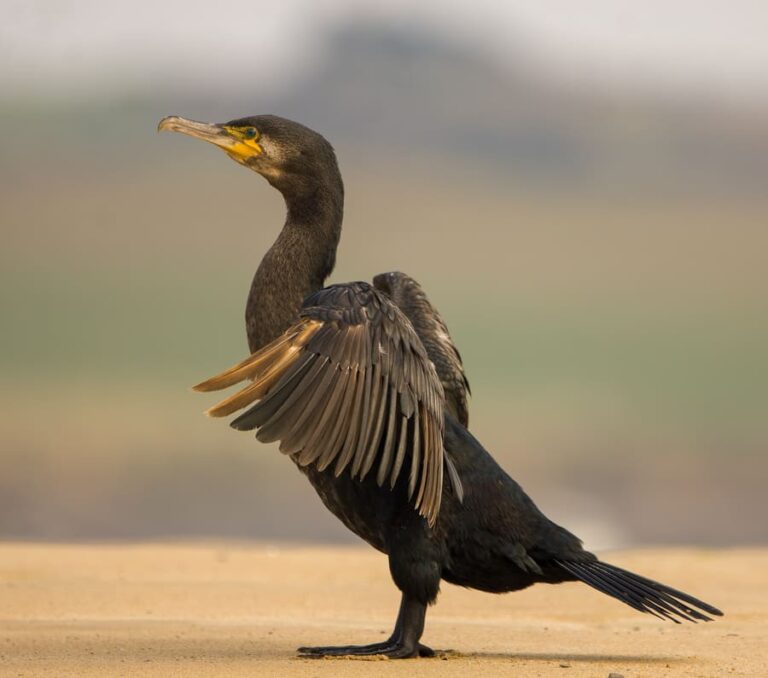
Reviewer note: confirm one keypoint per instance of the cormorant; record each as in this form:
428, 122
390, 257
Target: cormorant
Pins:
366, 393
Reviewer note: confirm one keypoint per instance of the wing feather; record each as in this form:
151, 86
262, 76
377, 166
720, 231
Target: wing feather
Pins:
402, 438
373, 435
430, 327
354, 426
365, 419
341, 425
351, 385
388, 447
295, 441
320, 435
415, 454
278, 425
256, 416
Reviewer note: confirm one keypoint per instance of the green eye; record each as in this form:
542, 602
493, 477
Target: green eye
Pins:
249, 132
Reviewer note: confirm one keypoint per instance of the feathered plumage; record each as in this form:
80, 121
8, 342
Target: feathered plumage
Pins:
366, 392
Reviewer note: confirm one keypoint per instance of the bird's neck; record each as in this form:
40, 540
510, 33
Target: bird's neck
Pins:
297, 264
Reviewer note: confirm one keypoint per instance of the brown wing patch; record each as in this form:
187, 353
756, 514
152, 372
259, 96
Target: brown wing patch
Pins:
361, 397
265, 368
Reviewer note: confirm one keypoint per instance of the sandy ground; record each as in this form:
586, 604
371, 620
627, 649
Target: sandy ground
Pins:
224, 609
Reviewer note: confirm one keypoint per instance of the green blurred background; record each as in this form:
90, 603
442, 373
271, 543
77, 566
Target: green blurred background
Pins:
590, 215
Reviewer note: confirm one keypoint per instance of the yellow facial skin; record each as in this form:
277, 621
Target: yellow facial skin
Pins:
240, 143
246, 143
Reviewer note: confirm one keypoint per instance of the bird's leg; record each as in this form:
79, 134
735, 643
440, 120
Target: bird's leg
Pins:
403, 643
414, 563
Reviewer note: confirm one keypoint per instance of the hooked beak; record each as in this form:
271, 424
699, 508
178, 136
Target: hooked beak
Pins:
219, 135
214, 134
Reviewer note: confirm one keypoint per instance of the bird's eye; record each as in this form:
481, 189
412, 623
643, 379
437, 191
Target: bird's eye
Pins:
249, 132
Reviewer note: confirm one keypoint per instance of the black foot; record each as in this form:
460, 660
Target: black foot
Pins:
393, 650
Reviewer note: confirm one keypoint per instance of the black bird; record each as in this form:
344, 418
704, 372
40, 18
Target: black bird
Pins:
365, 391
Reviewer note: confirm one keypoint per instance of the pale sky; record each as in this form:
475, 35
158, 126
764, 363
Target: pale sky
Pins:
55, 47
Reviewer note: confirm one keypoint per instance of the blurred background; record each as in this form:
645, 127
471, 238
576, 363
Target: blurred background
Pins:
582, 188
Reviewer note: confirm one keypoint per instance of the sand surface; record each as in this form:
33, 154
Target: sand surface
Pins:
242, 609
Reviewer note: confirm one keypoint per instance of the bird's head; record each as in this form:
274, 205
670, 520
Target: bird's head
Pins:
293, 158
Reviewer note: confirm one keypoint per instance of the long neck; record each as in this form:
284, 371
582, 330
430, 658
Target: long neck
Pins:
297, 264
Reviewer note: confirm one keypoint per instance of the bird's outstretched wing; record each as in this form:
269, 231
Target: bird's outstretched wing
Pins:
411, 299
349, 385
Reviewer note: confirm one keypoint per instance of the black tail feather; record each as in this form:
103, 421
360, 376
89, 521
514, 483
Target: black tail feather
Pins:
640, 593
582, 573
659, 601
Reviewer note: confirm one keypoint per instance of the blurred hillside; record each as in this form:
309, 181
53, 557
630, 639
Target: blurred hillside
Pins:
408, 94
599, 256
403, 93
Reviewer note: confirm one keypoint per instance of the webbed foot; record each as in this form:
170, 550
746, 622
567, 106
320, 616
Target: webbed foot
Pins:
389, 648
402, 644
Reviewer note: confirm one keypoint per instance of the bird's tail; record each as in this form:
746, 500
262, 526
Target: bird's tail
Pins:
640, 593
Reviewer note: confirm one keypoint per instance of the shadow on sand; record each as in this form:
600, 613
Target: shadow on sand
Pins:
559, 657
